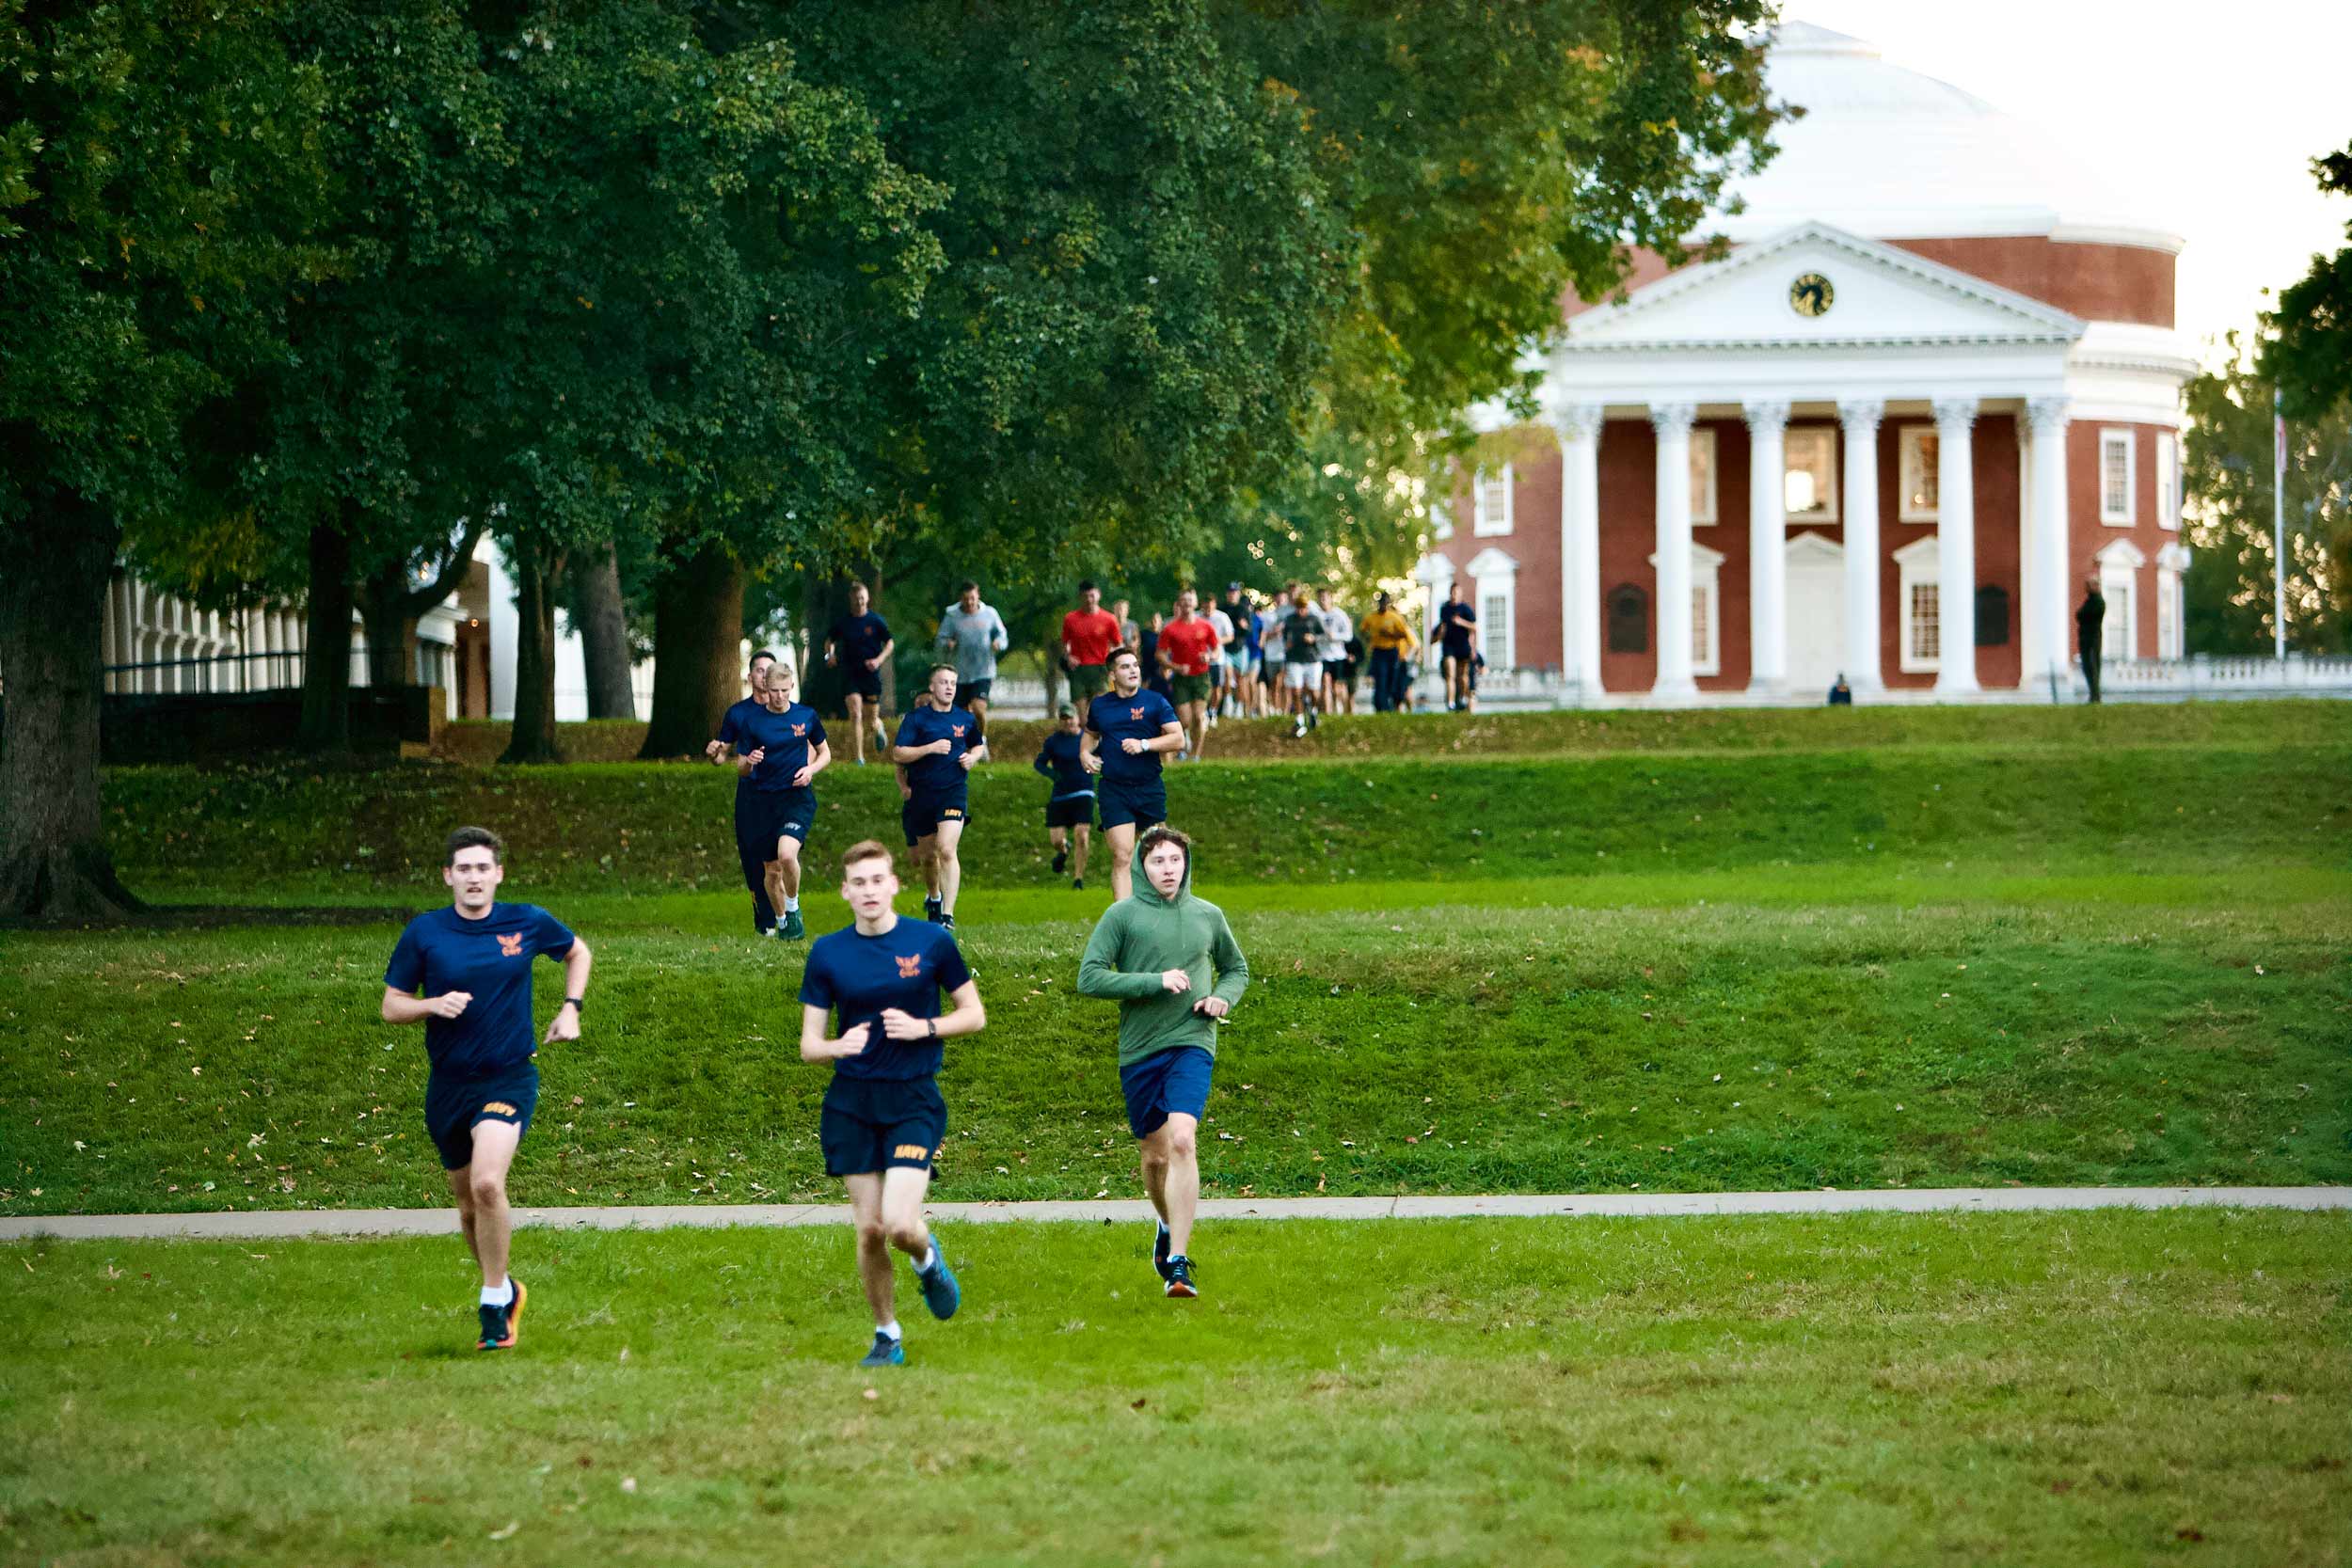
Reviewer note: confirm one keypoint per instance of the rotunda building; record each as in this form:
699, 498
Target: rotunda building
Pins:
1933, 388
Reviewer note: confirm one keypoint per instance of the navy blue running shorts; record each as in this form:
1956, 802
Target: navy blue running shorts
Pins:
1141, 804
1165, 1084
923, 813
454, 1105
877, 1124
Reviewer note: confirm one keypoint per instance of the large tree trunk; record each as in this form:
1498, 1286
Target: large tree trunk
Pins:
603, 625
383, 615
53, 864
326, 645
697, 644
534, 657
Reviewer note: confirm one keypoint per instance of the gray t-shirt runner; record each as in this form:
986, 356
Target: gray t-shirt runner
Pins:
977, 639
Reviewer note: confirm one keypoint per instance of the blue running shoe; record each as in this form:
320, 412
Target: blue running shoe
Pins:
792, 929
1180, 1280
1159, 1251
887, 1352
941, 1292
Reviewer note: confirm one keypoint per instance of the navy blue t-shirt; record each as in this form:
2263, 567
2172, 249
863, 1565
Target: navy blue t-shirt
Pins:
789, 737
1116, 718
731, 730
859, 637
490, 960
941, 773
1057, 759
908, 967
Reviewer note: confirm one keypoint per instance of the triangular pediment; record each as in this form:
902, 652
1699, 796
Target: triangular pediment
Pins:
1818, 286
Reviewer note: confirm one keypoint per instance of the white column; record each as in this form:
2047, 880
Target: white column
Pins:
1673, 422
1768, 548
1579, 428
1860, 503
2045, 637
1956, 547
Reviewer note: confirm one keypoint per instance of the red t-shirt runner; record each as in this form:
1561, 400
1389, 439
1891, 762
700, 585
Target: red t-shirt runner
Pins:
1090, 637
1187, 645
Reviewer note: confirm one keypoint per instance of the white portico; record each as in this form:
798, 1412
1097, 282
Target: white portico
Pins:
1820, 324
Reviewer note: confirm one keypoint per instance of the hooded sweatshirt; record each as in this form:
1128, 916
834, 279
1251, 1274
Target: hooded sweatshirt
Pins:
1143, 935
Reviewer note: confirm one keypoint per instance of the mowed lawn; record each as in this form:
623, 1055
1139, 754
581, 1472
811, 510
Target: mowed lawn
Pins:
2094, 1388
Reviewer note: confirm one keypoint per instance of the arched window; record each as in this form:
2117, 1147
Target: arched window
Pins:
1991, 616
1629, 619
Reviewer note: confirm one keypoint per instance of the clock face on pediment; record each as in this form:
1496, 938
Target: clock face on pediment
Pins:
1811, 294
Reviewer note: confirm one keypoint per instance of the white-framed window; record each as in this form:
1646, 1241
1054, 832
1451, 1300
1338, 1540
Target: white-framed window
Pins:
2120, 566
1920, 611
1495, 586
1704, 510
1490, 499
1707, 602
2168, 482
1920, 479
1809, 487
2115, 480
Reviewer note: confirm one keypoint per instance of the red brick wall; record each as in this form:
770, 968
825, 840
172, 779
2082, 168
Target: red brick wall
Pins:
1534, 542
1996, 470
2097, 282
2087, 536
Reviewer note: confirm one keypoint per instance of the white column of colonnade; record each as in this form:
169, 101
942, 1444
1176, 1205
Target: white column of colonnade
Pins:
1956, 547
1580, 426
1860, 508
1768, 548
1672, 421
2044, 636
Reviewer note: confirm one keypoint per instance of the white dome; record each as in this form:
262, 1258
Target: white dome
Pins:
1891, 154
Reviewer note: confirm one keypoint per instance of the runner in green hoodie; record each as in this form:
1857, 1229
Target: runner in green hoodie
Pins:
1169, 961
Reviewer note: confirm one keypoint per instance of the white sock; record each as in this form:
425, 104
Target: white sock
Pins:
889, 1329
791, 904
499, 1294
923, 1264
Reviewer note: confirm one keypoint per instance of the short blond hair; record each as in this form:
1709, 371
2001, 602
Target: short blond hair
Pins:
868, 850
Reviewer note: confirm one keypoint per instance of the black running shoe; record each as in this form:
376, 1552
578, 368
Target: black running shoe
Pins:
945, 922
1159, 1250
1180, 1282
931, 910
1061, 858
1078, 884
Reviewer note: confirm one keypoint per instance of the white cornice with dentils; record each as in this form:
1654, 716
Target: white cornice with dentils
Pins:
2035, 323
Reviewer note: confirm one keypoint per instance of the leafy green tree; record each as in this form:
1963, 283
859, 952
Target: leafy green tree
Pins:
161, 188
2311, 352
2229, 598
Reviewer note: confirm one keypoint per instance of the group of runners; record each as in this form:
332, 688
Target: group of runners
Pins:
879, 999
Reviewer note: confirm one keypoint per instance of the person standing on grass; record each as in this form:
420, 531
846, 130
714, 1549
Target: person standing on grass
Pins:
1070, 809
1127, 731
883, 1117
1185, 644
2090, 621
473, 963
1169, 961
747, 841
1302, 667
1273, 658
1389, 637
1220, 662
780, 752
972, 634
940, 744
860, 644
1241, 649
1089, 633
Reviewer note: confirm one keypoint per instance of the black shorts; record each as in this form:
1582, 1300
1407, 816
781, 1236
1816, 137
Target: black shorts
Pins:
924, 812
859, 681
876, 1124
454, 1105
1075, 810
764, 815
1141, 803
975, 691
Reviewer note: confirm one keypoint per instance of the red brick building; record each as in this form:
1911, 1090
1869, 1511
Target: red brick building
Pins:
1933, 388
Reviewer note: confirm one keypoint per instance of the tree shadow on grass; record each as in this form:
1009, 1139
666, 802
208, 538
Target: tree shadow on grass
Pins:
202, 917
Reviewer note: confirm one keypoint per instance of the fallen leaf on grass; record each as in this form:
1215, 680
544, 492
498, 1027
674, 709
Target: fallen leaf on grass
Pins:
508, 1534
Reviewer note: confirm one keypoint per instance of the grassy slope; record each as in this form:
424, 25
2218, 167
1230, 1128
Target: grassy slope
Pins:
2089, 1389
1465, 1049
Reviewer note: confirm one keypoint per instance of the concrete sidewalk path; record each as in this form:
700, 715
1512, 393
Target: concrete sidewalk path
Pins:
261, 1223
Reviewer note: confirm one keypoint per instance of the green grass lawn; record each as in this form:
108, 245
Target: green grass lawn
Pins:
2094, 1388
1446, 1049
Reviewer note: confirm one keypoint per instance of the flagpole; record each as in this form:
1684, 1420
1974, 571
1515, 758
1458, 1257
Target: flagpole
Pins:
2279, 526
